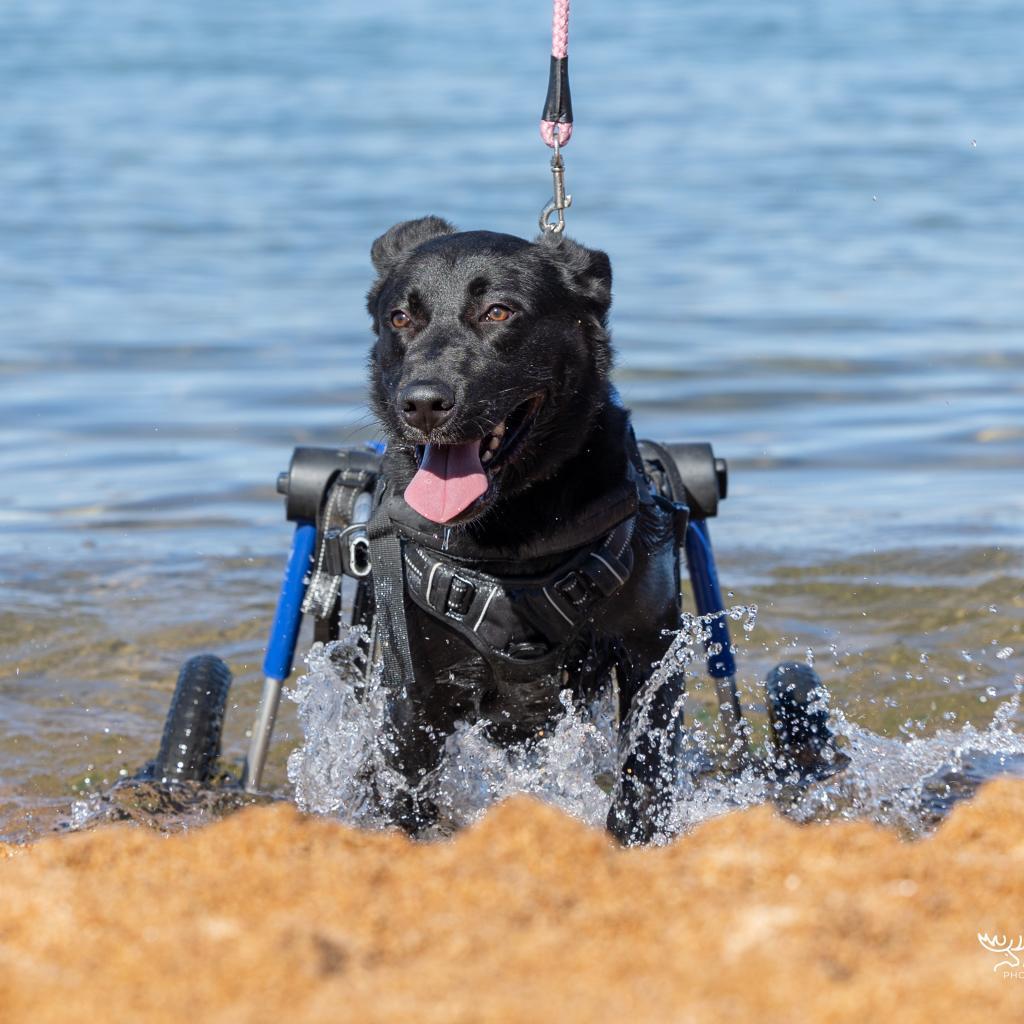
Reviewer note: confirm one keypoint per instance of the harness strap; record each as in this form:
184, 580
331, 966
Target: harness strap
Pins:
335, 516
389, 596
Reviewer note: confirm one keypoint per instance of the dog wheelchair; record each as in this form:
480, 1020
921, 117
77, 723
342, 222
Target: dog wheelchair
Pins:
329, 497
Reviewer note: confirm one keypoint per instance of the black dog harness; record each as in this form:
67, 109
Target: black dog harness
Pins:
522, 616
521, 626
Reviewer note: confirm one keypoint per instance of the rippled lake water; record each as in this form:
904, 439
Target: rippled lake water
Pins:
815, 216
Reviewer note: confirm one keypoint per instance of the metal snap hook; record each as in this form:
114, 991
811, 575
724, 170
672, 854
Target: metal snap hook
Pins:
559, 202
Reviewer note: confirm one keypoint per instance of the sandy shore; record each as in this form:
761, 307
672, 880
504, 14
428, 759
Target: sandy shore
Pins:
272, 916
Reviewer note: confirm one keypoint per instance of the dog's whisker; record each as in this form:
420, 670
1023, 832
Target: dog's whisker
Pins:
357, 425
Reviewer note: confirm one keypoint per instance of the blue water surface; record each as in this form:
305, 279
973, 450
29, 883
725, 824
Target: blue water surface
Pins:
814, 213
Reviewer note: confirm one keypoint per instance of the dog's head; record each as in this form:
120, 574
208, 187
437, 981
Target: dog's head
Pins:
491, 361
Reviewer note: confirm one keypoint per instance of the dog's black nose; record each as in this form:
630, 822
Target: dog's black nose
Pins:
426, 404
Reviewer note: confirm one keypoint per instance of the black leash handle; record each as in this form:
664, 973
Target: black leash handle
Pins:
556, 121
558, 104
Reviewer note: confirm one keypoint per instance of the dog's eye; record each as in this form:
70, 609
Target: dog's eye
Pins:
400, 319
498, 314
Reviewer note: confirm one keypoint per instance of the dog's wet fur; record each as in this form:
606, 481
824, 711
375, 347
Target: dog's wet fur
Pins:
515, 333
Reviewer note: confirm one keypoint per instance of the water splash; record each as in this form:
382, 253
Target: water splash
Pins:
573, 766
910, 782
342, 768
342, 716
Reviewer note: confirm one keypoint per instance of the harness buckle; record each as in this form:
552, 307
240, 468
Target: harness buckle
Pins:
574, 587
347, 552
460, 596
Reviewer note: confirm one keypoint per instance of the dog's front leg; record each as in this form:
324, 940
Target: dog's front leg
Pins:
651, 742
413, 742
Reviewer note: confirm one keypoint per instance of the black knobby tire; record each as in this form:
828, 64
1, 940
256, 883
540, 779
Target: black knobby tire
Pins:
190, 745
798, 718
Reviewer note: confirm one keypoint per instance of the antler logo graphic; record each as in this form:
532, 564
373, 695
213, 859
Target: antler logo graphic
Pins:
1001, 944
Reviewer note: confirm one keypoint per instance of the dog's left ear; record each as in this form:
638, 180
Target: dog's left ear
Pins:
587, 272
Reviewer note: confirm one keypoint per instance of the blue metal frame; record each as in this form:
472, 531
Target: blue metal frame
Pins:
707, 595
284, 633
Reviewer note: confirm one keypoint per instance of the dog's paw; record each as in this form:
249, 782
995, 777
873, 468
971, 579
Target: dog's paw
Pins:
639, 814
628, 826
411, 813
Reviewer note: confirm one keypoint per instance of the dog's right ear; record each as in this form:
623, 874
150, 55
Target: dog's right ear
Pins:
587, 272
391, 248
395, 244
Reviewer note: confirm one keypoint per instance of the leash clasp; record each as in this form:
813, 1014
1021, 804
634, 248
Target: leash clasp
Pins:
559, 202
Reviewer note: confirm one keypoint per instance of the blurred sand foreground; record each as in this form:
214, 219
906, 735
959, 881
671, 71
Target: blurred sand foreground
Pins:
272, 916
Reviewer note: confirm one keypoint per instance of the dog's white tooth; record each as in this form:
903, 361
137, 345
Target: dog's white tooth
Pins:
494, 444
486, 457
499, 430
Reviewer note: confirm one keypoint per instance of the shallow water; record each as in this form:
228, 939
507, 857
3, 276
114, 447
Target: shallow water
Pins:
814, 217
908, 781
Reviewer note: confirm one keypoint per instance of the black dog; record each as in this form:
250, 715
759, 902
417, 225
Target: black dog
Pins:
534, 556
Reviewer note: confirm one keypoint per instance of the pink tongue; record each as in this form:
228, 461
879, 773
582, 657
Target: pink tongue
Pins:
450, 478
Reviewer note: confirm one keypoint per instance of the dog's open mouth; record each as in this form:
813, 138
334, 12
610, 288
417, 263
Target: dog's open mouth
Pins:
453, 477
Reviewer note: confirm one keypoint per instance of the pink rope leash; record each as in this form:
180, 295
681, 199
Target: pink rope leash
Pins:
560, 29
558, 109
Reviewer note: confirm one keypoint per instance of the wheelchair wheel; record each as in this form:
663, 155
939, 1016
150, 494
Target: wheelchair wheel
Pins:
798, 718
190, 744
